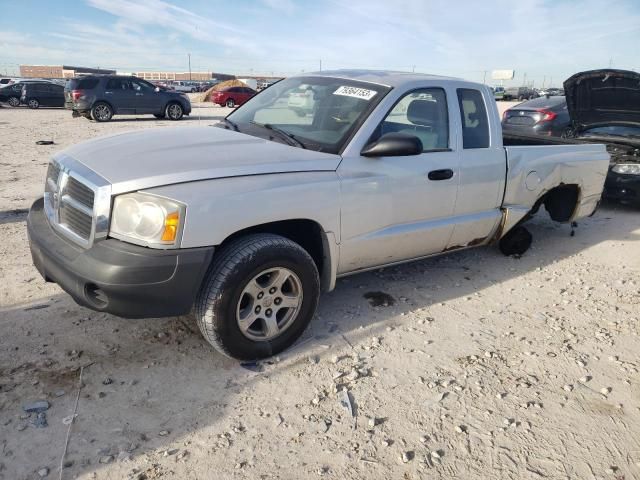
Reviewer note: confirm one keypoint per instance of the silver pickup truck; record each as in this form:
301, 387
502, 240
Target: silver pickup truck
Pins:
244, 223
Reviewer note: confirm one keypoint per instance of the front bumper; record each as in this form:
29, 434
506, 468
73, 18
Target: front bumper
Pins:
116, 277
622, 187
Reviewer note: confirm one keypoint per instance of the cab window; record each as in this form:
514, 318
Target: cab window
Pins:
475, 123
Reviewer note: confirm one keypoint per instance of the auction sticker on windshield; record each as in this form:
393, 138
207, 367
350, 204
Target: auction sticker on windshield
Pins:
362, 93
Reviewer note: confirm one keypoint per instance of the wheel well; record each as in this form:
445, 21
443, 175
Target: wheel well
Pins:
306, 233
561, 202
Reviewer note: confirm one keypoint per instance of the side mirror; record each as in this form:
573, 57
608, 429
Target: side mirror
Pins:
393, 145
157, 89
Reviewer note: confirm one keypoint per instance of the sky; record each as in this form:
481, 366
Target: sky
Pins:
544, 40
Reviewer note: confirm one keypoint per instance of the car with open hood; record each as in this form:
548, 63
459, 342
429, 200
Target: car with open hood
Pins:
604, 106
244, 223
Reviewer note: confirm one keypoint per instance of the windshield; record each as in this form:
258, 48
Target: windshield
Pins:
616, 130
318, 113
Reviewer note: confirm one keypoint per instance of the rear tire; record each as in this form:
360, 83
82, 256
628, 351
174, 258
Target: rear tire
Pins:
516, 241
101, 112
174, 111
14, 101
237, 307
230, 103
33, 103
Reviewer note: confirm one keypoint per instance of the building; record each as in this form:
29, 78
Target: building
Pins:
60, 71
197, 76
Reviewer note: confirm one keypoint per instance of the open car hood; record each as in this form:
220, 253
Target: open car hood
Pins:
603, 97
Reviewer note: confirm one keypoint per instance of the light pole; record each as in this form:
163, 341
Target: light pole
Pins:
189, 55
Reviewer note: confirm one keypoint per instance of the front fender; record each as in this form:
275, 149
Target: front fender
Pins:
218, 208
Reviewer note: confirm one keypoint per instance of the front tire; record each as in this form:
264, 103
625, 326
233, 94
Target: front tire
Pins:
230, 103
101, 112
14, 101
258, 297
174, 111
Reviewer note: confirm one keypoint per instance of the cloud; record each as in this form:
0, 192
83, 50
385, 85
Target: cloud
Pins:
540, 37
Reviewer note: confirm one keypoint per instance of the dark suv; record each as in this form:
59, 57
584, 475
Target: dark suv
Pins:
101, 97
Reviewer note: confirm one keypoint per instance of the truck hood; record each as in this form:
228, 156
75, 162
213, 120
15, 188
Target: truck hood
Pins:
603, 97
163, 156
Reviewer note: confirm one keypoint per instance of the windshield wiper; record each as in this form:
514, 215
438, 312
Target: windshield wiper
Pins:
288, 137
232, 124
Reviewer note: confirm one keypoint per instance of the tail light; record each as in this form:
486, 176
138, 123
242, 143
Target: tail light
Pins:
547, 115
76, 94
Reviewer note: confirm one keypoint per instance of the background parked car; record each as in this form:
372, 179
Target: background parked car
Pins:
519, 93
498, 93
11, 93
604, 106
232, 96
552, 92
540, 116
42, 94
185, 87
101, 97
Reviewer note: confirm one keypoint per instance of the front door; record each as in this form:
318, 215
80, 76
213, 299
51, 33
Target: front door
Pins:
146, 100
399, 208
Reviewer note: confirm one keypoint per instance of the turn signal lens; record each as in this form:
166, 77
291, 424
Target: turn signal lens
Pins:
171, 223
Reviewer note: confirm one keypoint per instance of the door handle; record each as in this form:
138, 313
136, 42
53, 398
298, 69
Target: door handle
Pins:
108, 93
139, 94
444, 174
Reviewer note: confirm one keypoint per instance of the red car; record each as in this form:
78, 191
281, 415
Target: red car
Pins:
232, 96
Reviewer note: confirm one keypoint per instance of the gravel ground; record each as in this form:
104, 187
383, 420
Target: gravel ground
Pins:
479, 366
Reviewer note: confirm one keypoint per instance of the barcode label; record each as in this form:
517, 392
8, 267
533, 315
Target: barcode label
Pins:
362, 93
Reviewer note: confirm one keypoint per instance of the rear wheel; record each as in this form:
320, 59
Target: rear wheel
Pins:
101, 112
231, 103
14, 101
33, 103
259, 296
174, 111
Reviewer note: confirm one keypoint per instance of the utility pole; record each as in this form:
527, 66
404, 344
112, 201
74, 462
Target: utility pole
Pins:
320, 64
543, 80
524, 81
484, 78
413, 69
610, 62
189, 55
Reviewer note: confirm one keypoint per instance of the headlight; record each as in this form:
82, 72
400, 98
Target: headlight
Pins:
147, 220
627, 168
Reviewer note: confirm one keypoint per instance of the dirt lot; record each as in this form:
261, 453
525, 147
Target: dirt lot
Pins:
482, 367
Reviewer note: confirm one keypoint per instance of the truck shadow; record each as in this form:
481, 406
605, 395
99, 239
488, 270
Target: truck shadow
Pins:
149, 385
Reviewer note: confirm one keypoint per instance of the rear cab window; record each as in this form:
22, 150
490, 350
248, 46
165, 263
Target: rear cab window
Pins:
475, 121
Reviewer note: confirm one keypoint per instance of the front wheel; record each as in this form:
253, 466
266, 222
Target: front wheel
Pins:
231, 103
174, 111
258, 297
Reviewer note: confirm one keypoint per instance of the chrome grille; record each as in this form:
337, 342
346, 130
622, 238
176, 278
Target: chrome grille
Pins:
79, 192
75, 220
77, 201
